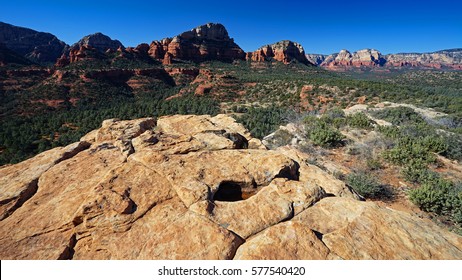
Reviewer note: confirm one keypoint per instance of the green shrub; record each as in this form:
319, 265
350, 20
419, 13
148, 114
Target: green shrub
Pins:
434, 144
321, 134
453, 147
416, 171
359, 120
441, 197
408, 149
374, 164
399, 115
365, 184
392, 132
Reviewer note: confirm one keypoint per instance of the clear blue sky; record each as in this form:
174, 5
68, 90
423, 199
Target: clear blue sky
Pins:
320, 26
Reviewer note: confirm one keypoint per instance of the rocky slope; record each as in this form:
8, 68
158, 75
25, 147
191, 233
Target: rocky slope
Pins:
283, 51
37, 46
206, 42
196, 187
316, 59
369, 58
8, 56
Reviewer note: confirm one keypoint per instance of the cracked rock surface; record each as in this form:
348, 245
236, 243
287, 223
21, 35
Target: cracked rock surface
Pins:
195, 187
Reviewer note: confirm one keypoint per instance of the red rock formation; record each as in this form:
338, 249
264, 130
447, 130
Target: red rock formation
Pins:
206, 42
84, 53
62, 61
283, 51
167, 59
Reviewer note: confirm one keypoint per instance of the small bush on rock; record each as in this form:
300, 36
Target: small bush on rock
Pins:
365, 185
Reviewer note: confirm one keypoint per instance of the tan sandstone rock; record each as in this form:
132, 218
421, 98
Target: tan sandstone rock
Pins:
274, 203
362, 230
285, 241
19, 182
192, 187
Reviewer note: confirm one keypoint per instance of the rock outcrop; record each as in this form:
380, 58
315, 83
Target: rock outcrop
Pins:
195, 187
366, 57
98, 41
36, 46
206, 42
283, 51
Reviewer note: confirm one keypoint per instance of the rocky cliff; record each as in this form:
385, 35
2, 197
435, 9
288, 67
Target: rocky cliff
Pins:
449, 59
37, 46
206, 42
283, 51
196, 187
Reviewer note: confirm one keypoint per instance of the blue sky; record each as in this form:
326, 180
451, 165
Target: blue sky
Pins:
320, 26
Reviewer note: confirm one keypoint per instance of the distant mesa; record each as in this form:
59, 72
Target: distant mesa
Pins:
370, 58
284, 51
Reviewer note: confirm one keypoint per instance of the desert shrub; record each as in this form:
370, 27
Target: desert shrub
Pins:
399, 115
373, 164
416, 171
392, 132
453, 147
335, 113
359, 120
434, 144
408, 149
365, 185
321, 134
441, 197
334, 117
262, 121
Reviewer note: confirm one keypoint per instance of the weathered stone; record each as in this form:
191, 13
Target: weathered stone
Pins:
50, 214
19, 182
274, 203
285, 241
314, 175
362, 230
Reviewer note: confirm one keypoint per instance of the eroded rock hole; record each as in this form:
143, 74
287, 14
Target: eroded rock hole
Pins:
233, 191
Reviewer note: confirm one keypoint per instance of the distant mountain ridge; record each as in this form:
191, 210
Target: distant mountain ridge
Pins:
210, 41
36, 46
370, 58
